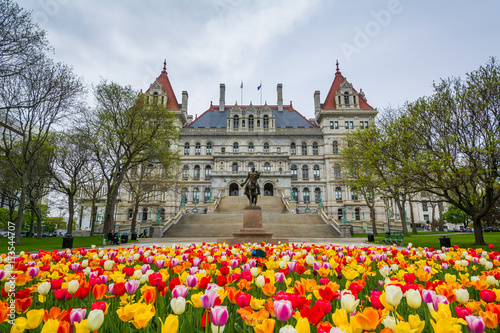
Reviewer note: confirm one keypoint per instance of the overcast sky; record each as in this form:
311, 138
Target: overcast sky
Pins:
393, 50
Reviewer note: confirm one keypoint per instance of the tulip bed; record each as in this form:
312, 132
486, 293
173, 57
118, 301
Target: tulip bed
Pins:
253, 288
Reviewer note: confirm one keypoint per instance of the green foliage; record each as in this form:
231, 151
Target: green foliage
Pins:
4, 219
456, 216
59, 222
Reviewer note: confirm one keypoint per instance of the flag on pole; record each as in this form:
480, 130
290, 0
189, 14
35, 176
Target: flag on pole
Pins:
241, 86
260, 86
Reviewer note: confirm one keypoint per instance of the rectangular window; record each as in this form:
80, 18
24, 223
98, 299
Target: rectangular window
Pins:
243, 123
346, 125
351, 124
362, 124
331, 124
425, 207
366, 124
336, 125
223, 150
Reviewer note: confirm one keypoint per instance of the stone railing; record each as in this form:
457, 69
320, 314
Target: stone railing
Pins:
329, 220
173, 220
217, 201
286, 203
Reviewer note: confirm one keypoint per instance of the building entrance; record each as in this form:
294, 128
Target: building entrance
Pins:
268, 190
234, 190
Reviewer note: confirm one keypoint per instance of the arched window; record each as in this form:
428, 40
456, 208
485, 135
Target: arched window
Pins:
336, 171
196, 194
155, 98
196, 173
305, 171
356, 214
315, 148
144, 214
250, 122
206, 194
354, 193
335, 146
266, 121
293, 171
346, 98
185, 194
338, 193
209, 148
185, 172
208, 172
305, 195
295, 194
186, 148
130, 212
339, 99
197, 149
293, 148
162, 213
267, 167
250, 166
304, 148
236, 121
317, 194
234, 167
340, 215
250, 147
266, 147
236, 147
316, 171
150, 168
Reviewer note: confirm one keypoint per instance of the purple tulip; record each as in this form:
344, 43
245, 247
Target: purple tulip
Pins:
74, 266
317, 265
279, 277
444, 265
180, 291
174, 262
94, 274
292, 265
104, 279
185, 256
428, 269
160, 263
475, 260
131, 286
324, 257
219, 315
252, 263
34, 256
2, 274
327, 265
234, 263
31, 264
208, 299
193, 270
33, 271
130, 259
77, 315
149, 260
283, 310
475, 324
121, 260
112, 254
145, 268
196, 262
191, 281
428, 295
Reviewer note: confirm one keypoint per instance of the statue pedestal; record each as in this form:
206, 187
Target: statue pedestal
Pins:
252, 231
345, 230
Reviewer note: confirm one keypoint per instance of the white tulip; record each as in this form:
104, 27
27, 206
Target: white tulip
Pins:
73, 286
462, 295
260, 281
349, 303
178, 305
44, 288
393, 295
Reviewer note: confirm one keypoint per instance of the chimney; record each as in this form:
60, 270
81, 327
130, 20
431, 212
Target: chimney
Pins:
184, 101
317, 105
222, 99
280, 97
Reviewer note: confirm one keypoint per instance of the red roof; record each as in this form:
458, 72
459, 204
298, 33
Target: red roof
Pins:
330, 102
167, 88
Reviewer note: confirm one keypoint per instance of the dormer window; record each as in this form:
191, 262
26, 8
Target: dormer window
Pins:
236, 121
266, 121
250, 122
353, 99
155, 98
339, 100
346, 98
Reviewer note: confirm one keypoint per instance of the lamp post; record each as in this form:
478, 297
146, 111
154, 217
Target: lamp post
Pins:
158, 220
344, 219
195, 210
307, 206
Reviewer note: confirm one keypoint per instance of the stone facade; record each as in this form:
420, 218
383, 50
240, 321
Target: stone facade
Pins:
298, 158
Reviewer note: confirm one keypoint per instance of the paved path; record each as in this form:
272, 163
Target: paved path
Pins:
355, 241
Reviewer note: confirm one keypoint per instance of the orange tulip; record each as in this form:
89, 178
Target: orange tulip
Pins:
23, 304
22, 279
490, 319
269, 289
64, 327
300, 289
267, 326
4, 312
232, 294
99, 291
54, 313
149, 295
369, 319
269, 305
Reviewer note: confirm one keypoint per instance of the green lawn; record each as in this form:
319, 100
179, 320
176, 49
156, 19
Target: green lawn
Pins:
49, 243
431, 239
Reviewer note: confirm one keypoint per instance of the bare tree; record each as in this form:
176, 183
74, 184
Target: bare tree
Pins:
92, 191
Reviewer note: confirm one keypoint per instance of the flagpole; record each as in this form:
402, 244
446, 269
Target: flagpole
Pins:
241, 103
260, 92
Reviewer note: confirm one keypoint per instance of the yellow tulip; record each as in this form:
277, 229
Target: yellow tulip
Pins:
81, 327
443, 326
126, 313
34, 318
195, 300
340, 317
19, 325
143, 315
303, 326
403, 327
416, 324
171, 324
267, 326
50, 326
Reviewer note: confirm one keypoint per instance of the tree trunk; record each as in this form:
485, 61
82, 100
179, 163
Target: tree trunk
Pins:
81, 217
374, 222
412, 218
12, 207
32, 220
20, 211
134, 217
38, 214
441, 219
433, 218
478, 231
71, 213
402, 215
93, 216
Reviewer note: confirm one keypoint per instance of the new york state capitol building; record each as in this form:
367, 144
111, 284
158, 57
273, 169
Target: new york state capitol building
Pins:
298, 158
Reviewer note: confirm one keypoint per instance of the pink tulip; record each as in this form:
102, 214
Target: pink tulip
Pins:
131, 286
180, 291
77, 315
185, 257
208, 299
121, 260
292, 265
145, 268
160, 263
445, 265
174, 262
475, 324
193, 270
74, 267
279, 277
149, 260
252, 263
130, 259
191, 281
219, 315
234, 263
196, 262
283, 310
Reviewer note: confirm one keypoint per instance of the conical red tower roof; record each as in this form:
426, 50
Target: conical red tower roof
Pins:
167, 88
330, 102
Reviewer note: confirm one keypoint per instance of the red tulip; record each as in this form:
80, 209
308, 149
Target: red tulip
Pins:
462, 312
61, 294
155, 279
375, 299
487, 295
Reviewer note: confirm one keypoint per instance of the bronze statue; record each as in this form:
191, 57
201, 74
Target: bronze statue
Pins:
252, 188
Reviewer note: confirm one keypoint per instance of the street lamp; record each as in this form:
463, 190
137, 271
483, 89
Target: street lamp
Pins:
344, 219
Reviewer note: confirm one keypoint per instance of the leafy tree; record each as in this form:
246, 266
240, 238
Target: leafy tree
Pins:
455, 215
126, 132
455, 135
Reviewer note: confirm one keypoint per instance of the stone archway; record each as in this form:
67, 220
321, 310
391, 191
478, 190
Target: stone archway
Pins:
268, 190
234, 190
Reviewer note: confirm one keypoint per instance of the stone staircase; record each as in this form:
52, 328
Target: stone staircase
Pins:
228, 218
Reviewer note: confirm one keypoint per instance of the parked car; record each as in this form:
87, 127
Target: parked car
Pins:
490, 229
4, 234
